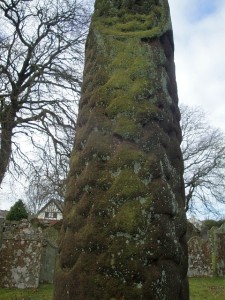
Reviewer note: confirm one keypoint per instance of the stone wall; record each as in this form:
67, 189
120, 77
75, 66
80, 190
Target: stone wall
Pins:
207, 256
27, 256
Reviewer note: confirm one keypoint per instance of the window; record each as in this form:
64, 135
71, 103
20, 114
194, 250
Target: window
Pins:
55, 215
46, 214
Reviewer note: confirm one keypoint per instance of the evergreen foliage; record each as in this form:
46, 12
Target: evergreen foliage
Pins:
17, 212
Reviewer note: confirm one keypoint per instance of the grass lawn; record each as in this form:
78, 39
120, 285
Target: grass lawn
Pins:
44, 292
200, 289
207, 288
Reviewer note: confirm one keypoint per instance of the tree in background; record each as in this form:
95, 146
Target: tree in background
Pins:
17, 212
203, 149
41, 49
45, 183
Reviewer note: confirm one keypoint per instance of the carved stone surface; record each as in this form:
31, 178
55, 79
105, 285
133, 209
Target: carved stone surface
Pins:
123, 234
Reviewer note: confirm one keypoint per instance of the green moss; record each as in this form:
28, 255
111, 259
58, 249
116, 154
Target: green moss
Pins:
131, 26
122, 104
126, 156
125, 94
88, 178
86, 233
129, 217
105, 180
104, 7
133, 20
151, 169
127, 185
102, 96
98, 144
126, 127
74, 161
147, 111
118, 80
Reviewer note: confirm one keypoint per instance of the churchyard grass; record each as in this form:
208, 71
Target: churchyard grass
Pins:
200, 289
43, 292
207, 288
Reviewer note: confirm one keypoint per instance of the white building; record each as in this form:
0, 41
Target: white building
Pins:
51, 211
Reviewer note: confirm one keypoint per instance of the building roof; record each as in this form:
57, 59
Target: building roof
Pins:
58, 203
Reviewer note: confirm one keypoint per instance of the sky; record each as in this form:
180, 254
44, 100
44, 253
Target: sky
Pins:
199, 31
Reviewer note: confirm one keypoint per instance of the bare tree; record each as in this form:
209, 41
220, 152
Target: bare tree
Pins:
203, 150
41, 52
46, 181
42, 189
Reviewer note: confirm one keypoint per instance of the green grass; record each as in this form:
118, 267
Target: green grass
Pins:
200, 289
207, 288
44, 292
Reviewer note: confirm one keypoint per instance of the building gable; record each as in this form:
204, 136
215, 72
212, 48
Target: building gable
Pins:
51, 211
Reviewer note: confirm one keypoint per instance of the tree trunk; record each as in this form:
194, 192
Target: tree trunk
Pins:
6, 121
123, 234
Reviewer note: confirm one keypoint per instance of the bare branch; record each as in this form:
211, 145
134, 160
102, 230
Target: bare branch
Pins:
41, 55
203, 150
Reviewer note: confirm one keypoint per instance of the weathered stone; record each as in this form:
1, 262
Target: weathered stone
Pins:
47, 262
27, 254
123, 235
200, 258
207, 255
20, 254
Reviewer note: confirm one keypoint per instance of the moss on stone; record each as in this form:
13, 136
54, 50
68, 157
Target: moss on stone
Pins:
126, 156
129, 217
126, 128
122, 104
119, 200
132, 20
127, 185
118, 81
98, 144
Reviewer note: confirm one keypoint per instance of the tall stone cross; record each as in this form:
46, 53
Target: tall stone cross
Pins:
123, 234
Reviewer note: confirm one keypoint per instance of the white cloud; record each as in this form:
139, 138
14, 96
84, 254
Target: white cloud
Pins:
199, 56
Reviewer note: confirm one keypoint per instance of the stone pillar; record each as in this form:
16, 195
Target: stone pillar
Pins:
123, 234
